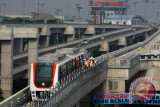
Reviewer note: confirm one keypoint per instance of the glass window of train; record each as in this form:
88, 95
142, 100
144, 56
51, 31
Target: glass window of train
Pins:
69, 66
74, 63
59, 74
63, 67
44, 71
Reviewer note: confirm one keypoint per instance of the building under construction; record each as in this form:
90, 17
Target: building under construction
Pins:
102, 9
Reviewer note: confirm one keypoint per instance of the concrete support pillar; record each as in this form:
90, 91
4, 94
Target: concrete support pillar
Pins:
146, 36
104, 47
44, 41
130, 41
18, 46
90, 30
6, 37
89, 54
115, 85
32, 53
7, 67
122, 42
70, 33
70, 37
44, 38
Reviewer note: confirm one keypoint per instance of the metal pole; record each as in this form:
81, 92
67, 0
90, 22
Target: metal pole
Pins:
38, 7
4, 10
23, 12
57, 29
78, 9
146, 4
67, 11
135, 3
44, 5
153, 2
57, 10
0, 7
88, 11
79, 27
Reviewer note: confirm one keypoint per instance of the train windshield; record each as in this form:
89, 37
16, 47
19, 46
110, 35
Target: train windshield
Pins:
44, 71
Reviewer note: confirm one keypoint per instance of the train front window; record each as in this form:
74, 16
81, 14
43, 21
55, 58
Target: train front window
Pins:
44, 71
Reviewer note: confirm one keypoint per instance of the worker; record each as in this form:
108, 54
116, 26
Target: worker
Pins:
91, 62
74, 64
123, 57
85, 63
81, 62
78, 63
94, 61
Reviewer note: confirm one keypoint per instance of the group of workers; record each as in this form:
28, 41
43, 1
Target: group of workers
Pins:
84, 62
91, 62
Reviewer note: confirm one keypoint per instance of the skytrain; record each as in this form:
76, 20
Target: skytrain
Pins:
52, 69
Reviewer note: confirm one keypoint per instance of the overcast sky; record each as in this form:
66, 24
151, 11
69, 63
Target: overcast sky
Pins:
16, 7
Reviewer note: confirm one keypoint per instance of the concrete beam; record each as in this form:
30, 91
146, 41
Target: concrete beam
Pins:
122, 41
104, 47
25, 32
6, 33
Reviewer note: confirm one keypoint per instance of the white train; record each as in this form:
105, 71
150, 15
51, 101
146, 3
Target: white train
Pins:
52, 69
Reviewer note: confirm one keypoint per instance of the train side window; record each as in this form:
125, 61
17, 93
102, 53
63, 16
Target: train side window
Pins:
69, 66
63, 68
59, 74
74, 63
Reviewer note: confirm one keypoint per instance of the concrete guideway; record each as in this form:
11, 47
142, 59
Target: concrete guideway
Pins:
70, 43
90, 45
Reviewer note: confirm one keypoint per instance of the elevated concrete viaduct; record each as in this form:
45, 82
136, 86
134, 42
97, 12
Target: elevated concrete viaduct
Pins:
14, 37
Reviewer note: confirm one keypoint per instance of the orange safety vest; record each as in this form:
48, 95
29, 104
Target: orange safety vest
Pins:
85, 63
78, 64
91, 63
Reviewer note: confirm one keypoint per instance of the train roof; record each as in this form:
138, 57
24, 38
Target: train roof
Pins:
60, 55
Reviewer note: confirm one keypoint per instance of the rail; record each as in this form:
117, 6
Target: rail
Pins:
16, 99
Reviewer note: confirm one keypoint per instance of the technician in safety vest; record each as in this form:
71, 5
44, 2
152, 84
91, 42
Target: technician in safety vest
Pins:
94, 61
81, 62
85, 63
91, 62
78, 63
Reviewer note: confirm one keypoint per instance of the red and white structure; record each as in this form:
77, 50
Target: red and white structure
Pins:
101, 9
